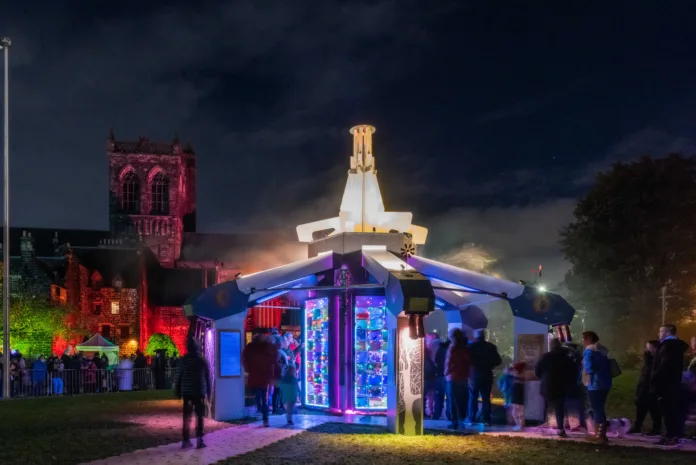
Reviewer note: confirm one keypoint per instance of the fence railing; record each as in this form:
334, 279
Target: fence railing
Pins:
41, 383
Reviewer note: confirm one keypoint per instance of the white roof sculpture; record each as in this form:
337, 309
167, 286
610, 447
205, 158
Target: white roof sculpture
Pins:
362, 208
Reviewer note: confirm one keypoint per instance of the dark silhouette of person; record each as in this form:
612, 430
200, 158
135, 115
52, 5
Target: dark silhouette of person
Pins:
557, 373
439, 401
484, 358
457, 370
665, 381
646, 401
259, 359
193, 385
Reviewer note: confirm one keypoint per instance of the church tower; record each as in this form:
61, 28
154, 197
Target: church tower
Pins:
152, 194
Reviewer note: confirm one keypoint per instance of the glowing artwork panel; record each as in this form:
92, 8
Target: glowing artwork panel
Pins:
371, 361
316, 353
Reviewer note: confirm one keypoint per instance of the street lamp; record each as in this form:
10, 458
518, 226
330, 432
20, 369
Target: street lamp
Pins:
5, 46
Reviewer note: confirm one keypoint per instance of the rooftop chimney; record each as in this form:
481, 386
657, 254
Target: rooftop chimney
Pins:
26, 245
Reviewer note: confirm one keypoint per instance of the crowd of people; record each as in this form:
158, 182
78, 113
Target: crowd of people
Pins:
665, 390
75, 373
273, 362
458, 371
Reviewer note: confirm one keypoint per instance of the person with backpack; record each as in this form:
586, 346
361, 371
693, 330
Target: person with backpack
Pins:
597, 376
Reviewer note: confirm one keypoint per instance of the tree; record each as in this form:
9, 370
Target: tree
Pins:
34, 323
633, 233
160, 341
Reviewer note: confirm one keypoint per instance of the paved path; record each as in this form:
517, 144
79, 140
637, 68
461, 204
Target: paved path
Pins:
222, 444
239, 440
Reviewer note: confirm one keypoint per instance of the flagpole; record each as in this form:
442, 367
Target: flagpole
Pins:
5, 45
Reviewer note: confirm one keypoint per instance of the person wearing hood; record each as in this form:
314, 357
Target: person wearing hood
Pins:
193, 385
646, 402
597, 377
665, 381
39, 375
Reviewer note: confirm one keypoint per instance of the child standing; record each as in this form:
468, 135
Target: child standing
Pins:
288, 386
517, 397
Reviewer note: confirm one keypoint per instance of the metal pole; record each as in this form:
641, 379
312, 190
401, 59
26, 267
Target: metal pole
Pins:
664, 304
5, 44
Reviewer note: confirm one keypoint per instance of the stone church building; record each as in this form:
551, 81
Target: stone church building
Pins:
131, 281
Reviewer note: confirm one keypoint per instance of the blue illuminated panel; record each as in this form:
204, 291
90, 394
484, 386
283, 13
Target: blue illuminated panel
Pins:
371, 338
316, 353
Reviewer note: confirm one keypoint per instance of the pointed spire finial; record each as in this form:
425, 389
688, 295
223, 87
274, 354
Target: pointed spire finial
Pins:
176, 138
112, 137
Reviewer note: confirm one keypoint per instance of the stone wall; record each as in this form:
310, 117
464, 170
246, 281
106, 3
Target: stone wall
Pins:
171, 321
162, 232
125, 324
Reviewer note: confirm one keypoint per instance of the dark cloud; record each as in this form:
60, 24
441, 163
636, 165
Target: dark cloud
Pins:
489, 121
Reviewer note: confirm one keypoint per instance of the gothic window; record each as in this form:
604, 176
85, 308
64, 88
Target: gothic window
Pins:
159, 188
130, 193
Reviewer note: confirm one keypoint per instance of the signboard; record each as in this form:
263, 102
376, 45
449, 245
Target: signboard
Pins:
229, 353
530, 348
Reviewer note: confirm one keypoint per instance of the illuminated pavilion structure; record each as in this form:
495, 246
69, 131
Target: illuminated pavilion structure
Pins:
366, 296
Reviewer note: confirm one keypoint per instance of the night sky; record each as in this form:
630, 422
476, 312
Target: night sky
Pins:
492, 117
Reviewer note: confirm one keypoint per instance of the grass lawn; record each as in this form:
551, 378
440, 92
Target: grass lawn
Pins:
334, 443
621, 402
72, 430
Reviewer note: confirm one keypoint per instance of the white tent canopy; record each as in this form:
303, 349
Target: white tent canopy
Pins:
98, 344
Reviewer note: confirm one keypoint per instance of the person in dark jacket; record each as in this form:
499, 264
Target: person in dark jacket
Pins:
646, 401
457, 369
193, 384
282, 361
665, 381
429, 372
556, 370
576, 395
440, 358
484, 358
259, 360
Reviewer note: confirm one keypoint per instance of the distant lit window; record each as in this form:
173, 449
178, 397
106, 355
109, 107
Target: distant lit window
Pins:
115, 308
159, 189
130, 193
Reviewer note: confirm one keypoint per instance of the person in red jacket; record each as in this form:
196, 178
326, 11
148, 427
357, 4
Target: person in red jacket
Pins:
457, 369
259, 360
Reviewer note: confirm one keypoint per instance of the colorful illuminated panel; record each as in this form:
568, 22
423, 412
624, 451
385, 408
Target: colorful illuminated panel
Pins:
371, 339
316, 353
